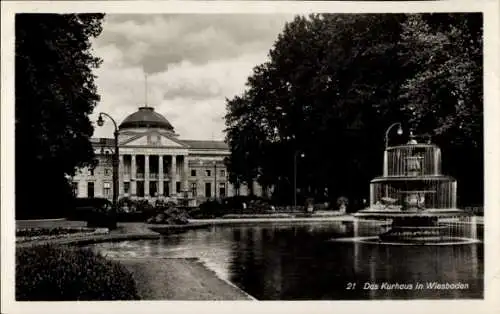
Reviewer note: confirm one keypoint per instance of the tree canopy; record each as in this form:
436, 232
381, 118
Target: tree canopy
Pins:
332, 85
55, 93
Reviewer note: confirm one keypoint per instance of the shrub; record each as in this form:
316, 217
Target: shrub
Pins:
102, 220
125, 205
210, 209
143, 205
170, 216
52, 273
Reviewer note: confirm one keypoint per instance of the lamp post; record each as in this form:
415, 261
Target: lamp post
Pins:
400, 131
100, 122
296, 153
386, 144
215, 179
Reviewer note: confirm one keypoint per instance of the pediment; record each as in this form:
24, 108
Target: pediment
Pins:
151, 139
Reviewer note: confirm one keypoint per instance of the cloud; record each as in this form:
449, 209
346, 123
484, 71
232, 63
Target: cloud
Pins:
157, 41
194, 62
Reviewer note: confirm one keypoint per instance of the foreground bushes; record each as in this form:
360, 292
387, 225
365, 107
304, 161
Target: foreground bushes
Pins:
52, 273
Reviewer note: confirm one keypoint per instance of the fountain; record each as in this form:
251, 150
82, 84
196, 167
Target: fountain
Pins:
413, 194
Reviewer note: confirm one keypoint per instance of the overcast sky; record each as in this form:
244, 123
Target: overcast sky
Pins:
194, 62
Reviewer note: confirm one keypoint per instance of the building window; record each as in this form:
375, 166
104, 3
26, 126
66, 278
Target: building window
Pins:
126, 187
193, 173
208, 189
166, 188
107, 189
74, 188
107, 172
208, 173
153, 188
223, 173
90, 189
91, 171
222, 189
140, 188
194, 189
177, 187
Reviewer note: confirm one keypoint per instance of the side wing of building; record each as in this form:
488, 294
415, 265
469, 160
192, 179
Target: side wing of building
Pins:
156, 165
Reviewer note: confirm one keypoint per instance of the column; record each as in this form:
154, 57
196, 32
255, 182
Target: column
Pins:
121, 172
133, 176
186, 173
146, 175
372, 194
160, 175
454, 194
173, 179
386, 163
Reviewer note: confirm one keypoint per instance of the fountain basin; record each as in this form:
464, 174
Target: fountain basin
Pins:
391, 214
416, 226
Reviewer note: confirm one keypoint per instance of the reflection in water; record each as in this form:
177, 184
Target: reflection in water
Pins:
277, 261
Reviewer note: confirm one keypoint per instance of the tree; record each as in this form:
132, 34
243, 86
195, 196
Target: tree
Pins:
332, 85
55, 93
444, 94
325, 82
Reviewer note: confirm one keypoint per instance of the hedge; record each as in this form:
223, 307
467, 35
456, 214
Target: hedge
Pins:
37, 232
58, 273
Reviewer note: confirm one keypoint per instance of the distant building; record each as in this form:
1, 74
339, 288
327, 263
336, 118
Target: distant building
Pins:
156, 164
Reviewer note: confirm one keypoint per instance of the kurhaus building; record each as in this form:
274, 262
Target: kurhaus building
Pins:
155, 163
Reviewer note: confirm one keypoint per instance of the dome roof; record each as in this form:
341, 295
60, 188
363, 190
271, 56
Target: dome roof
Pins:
146, 117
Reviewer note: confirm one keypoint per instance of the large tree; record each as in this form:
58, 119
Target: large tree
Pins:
55, 93
332, 85
324, 93
443, 96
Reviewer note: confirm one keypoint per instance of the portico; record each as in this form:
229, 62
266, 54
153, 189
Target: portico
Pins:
153, 175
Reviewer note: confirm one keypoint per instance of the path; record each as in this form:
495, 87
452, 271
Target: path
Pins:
179, 279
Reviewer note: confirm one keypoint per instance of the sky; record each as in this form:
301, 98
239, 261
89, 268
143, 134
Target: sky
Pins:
193, 63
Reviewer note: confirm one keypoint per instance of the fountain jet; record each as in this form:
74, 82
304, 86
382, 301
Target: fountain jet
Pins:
414, 194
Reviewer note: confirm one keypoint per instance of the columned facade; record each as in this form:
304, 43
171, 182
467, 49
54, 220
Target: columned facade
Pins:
155, 164
158, 175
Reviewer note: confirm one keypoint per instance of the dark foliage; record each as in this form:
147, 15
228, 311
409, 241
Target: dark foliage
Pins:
209, 209
50, 273
98, 212
170, 215
332, 85
54, 94
232, 205
102, 220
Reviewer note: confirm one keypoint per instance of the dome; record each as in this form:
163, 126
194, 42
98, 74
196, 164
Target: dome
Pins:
146, 117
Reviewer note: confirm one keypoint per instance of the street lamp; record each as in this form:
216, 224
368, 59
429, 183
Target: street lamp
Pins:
400, 132
215, 179
295, 176
100, 122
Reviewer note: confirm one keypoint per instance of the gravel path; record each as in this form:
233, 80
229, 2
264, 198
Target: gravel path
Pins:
180, 279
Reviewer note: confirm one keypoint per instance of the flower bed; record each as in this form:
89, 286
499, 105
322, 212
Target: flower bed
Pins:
32, 234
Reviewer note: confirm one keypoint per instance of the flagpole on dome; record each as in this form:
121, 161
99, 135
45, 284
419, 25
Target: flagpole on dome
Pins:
145, 90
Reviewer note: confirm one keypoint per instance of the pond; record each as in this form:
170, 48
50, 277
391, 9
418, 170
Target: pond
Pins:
302, 261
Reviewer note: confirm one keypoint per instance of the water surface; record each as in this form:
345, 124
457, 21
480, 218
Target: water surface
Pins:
290, 261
